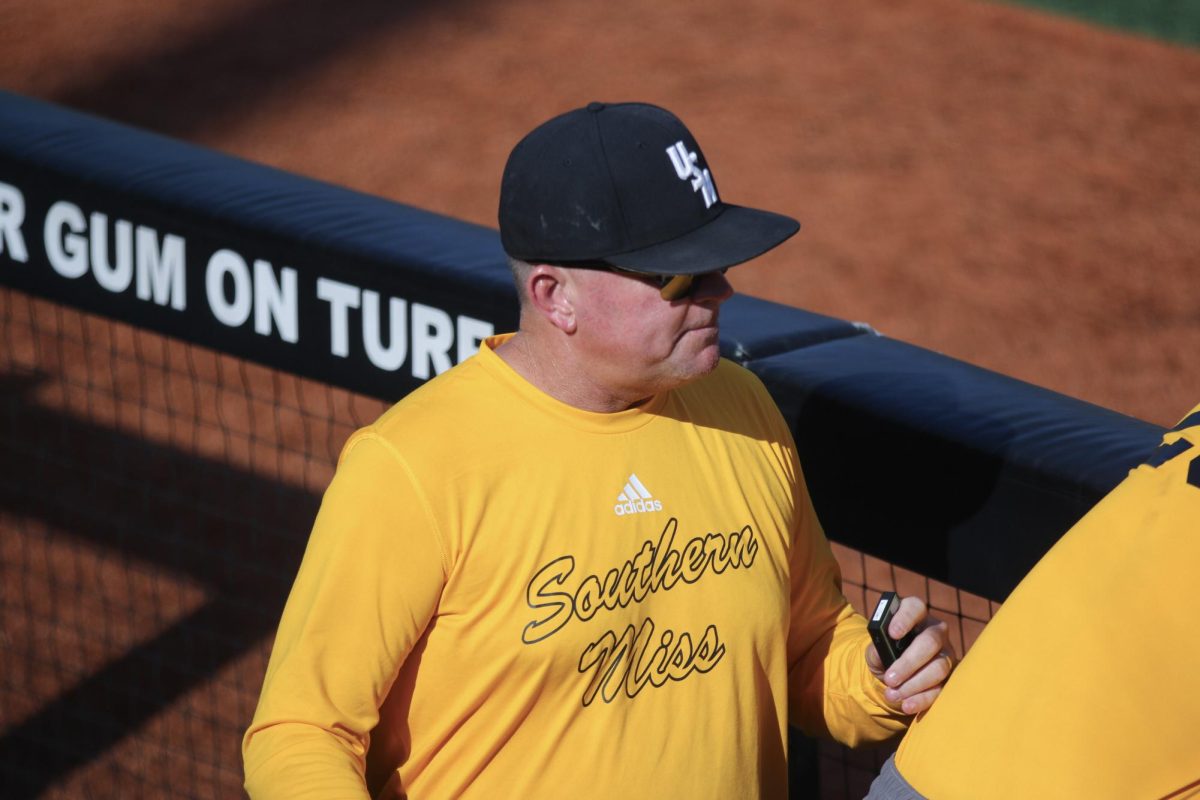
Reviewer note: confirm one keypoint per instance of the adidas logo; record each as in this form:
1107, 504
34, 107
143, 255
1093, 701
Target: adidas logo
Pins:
635, 499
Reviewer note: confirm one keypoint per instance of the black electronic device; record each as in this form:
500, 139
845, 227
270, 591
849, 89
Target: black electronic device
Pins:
889, 649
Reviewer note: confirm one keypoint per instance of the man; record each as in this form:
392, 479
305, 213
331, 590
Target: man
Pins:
1083, 685
584, 561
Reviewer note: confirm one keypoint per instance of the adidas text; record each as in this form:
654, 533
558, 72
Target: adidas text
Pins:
637, 506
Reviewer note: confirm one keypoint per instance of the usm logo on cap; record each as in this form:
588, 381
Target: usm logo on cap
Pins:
687, 169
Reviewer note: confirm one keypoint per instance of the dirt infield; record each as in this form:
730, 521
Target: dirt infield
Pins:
1005, 186
1011, 188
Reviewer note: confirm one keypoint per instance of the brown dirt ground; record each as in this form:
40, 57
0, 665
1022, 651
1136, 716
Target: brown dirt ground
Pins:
1008, 187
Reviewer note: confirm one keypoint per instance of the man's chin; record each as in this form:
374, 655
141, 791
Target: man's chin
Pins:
693, 366
707, 360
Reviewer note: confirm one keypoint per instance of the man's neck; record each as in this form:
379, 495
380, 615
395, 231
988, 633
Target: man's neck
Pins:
552, 371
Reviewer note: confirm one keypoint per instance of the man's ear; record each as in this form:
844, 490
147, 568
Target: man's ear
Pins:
550, 294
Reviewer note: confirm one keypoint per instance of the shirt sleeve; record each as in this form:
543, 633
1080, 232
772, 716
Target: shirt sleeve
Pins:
831, 691
367, 587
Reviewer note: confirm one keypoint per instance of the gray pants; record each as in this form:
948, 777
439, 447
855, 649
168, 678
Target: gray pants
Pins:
890, 785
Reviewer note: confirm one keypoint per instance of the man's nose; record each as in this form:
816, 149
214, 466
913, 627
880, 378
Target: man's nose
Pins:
712, 287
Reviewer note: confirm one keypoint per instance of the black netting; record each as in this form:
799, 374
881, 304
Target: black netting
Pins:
155, 499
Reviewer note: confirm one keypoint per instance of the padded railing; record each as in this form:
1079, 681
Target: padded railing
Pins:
956, 472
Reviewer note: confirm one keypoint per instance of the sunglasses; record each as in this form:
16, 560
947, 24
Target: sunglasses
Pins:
670, 287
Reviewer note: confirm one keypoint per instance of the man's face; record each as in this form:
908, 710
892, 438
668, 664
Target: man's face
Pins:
638, 344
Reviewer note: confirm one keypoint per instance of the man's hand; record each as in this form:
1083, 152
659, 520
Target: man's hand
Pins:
915, 679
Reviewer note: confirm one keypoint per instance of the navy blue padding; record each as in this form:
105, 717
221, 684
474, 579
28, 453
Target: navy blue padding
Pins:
960, 473
320, 229
214, 202
129, 161
957, 472
752, 328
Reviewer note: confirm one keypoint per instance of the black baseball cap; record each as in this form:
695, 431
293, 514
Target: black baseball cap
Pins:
625, 184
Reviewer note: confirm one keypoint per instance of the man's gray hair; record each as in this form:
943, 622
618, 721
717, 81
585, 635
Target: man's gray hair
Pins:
520, 271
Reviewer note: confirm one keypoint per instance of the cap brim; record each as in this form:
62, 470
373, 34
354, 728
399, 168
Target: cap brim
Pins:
736, 235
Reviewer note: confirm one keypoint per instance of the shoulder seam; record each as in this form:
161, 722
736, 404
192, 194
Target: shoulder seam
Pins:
370, 434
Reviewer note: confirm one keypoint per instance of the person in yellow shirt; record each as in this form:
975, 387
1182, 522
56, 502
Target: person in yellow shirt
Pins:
584, 561
1083, 685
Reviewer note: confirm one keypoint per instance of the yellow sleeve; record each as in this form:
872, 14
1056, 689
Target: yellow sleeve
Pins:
831, 691
367, 588
1082, 684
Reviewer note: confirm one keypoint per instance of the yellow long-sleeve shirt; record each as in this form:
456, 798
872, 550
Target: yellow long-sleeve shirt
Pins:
505, 596
1084, 683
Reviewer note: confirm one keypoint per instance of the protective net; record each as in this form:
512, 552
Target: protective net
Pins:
844, 773
155, 499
